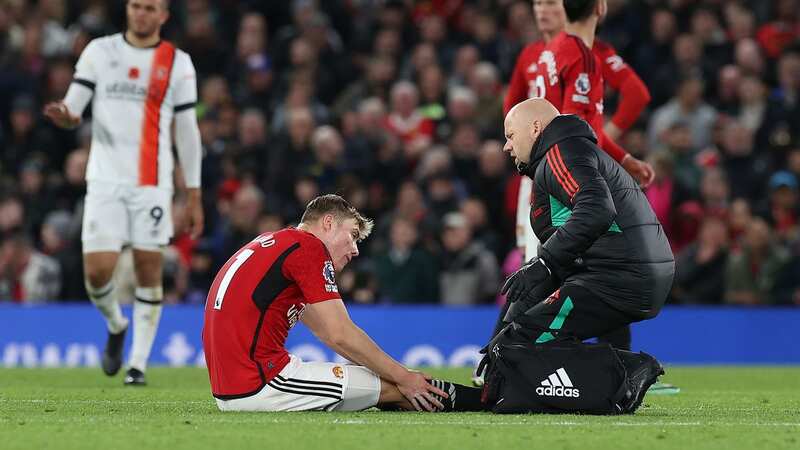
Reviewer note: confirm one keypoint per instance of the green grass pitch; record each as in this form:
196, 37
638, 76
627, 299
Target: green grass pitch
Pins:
718, 408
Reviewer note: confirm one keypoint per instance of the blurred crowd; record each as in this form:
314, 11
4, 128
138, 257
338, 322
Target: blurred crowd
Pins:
397, 106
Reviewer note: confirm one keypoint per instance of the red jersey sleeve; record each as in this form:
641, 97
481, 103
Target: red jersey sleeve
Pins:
634, 95
609, 146
311, 268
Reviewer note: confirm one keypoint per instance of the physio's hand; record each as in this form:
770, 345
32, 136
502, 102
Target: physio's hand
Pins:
194, 213
415, 387
60, 115
520, 284
641, 171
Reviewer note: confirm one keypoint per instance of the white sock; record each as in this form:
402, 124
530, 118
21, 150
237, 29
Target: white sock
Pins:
146, 314
105, 299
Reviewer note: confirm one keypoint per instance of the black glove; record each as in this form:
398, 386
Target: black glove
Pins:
522, 282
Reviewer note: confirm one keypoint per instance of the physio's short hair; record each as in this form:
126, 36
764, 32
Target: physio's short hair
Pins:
340, 209
579, 9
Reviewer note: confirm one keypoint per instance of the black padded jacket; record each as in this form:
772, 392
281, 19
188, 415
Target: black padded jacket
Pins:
595, 224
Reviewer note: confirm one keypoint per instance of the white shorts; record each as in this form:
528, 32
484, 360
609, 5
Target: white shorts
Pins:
115, 215
313, 386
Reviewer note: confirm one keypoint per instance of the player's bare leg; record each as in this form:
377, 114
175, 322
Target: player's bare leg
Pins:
146, 311
98, 269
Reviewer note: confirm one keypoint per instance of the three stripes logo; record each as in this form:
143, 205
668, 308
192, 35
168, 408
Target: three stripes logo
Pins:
558, 384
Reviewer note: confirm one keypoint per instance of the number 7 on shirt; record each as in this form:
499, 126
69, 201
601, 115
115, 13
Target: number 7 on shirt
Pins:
226, 280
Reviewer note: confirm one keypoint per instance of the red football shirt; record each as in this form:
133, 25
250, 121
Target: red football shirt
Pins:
257, 296
571, 78
527, 81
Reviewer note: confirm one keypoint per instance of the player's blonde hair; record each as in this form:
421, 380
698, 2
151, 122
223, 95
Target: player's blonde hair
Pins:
341, 209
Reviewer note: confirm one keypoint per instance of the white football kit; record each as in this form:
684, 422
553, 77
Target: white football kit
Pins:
135, 92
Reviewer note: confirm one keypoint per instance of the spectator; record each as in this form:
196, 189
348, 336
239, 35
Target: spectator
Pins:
467, 57
26, 138
406, 273
69, 195
715, 192
248, 203
406, 122
741, 21
783, 205
251, 154
752, 103
747, 55
475, 212
431, 85
470, 273
379, 74
484, 81
252, 54
59, 241
776, 35
12, 215
700, 267
687, 107
494, 171
27, 275
328, 148
740, 218
653, 52
752, 271
290, 153
741, 162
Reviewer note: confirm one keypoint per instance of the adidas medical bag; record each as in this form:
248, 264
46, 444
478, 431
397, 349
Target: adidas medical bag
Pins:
562, 376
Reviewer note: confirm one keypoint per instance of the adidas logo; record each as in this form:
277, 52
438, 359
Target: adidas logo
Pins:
558, 384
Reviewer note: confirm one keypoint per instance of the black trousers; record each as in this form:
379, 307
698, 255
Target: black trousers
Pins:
574, 311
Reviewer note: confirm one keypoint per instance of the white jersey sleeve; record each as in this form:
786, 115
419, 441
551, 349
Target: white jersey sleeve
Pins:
187, 133
83, 81
184, 94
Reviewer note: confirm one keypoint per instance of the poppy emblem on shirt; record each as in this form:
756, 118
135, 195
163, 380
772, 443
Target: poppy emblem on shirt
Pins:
133, 73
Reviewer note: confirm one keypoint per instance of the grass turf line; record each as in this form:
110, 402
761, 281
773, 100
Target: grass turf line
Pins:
726, 408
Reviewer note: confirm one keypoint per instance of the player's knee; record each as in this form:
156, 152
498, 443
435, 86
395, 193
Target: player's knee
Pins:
97, 276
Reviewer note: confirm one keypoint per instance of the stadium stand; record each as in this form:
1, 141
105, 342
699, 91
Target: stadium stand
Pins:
397, 106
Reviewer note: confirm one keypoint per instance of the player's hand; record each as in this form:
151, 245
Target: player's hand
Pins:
522, 282
415, 387
194, 213
641, 171
60, 115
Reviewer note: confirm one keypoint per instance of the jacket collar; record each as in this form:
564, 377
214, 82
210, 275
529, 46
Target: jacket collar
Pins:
562, 127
